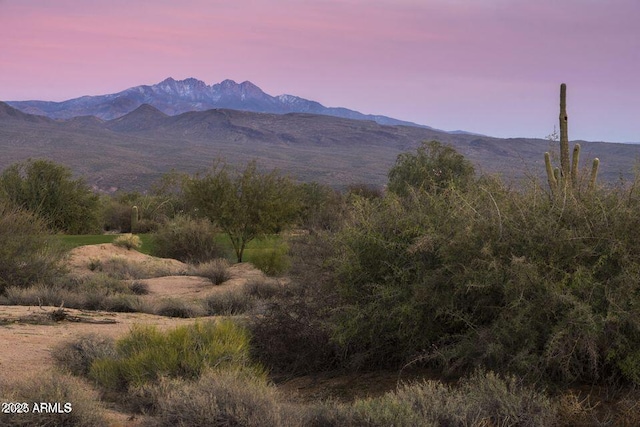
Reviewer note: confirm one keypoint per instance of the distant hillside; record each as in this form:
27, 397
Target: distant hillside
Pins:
174, 97
132, 151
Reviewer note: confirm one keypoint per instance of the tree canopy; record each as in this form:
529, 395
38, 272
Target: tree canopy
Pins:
244, 204
433, 167
49, 190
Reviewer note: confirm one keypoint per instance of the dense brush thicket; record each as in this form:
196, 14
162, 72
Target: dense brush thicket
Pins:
471, 273
508, 279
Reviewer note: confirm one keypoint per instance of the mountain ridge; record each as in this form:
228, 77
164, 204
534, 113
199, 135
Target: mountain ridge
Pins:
174, 97
133, 151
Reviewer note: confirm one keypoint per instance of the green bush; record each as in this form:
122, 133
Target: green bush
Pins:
145, 355
188, 240
48, 189
273, 261
28, 254
434, 167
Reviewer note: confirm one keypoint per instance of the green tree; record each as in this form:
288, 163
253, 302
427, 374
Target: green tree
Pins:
433, 167
49, 190
244, 204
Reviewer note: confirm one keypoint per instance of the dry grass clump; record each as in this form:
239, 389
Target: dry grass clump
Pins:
124, 304
78, 404
78, 355
218, 398
39, 294
263, 288
95, 292
128, 241
139, 288
482, 399
216, 270
173, 307
230, 303
121, 268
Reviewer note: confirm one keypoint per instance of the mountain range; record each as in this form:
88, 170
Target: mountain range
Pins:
174, 97
133, 150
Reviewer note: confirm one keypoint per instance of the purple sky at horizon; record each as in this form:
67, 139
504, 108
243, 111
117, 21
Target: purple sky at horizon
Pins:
487, 66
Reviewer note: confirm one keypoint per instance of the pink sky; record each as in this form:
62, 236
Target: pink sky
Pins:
487, 66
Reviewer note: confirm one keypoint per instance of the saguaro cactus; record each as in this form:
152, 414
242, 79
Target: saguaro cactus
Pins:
566, 177
564, 133
135, 216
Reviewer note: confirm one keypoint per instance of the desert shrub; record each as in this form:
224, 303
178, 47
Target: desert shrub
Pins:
95, 264
513, 280
188, 240
216, 270
263, 288
129, 241
294, 334
364, 190
482, 399
272, 261
146, 354
38, 295
139, 288
77, 356
122, 303
28, 254
322, 207
432, 168
218, 398
155, 209
85, 410
172, 307
229, 303
120, 268
95, 292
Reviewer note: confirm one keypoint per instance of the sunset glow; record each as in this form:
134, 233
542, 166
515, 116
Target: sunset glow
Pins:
487, 66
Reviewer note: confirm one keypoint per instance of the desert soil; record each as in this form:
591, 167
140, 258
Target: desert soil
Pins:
26, 348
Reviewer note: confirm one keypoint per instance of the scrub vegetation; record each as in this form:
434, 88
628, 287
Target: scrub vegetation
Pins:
513, 297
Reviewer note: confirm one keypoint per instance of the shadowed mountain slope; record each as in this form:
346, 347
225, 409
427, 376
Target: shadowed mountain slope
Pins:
134, 150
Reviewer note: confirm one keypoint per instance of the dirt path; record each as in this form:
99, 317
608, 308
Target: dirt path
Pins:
26, 348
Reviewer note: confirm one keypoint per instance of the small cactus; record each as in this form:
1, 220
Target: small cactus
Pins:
574, 165
135, 216
594, 173
553, 182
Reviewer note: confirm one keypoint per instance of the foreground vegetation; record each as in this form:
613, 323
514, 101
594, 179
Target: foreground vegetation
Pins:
512, 294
